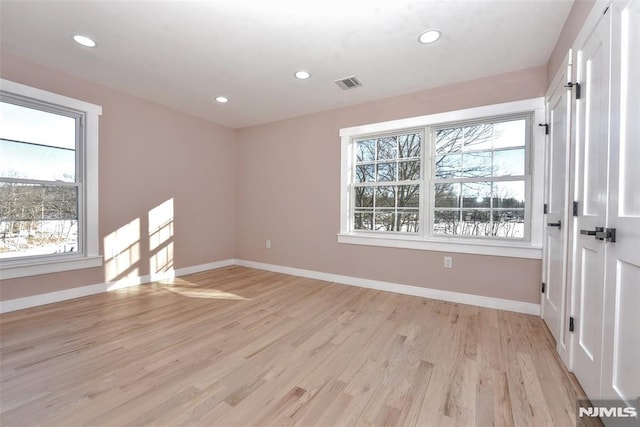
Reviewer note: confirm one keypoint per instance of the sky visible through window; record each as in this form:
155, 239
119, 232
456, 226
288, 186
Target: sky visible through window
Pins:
36, 144
479, 179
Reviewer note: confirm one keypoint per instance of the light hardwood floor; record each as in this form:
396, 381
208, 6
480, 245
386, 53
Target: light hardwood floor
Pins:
241, 347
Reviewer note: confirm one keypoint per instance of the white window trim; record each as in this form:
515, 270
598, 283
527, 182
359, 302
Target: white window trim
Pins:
27, 266
517, 248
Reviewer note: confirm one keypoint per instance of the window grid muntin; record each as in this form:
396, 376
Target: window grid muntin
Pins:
397, 160
374, 209
528, 117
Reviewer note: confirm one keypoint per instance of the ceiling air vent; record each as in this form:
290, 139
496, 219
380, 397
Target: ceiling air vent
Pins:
348, 83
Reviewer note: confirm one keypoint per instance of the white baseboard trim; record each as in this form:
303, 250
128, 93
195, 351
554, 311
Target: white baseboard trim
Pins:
67, 294
83, 291
481, 301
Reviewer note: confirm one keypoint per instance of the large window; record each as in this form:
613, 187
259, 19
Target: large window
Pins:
48, 182
459, 181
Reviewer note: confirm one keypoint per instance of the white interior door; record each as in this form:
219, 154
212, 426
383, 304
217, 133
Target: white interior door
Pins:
557, 186
593, 74
621, 356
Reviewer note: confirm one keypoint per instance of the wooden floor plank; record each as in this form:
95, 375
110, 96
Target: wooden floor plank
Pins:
240, 347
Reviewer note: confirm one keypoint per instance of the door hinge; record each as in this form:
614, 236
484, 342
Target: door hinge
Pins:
577, 86
572, 324
545, 208
544, 285
546, 127
575, 208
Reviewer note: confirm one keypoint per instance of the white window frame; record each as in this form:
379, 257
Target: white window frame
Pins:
88, 256
530, 247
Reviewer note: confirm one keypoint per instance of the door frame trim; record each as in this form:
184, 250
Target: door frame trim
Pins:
566, 70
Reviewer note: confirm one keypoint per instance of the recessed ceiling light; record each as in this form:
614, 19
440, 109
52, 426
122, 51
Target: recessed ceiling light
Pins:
84, 40
429, 36
302, 75
222, 99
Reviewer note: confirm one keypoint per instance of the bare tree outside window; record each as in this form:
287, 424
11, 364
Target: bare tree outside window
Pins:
37, 219
387, 183
479, 182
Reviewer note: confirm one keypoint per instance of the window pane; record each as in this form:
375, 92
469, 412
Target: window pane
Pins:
476, 195
365, 173
37, 220
364, 197
508, 223
505, 219
476, 164
476, 223
410, 145
409, 170
408, 196
385, 197
363, 220
509, 194
408, 221
386, 172
385, 221
509, 134
447, 195
508, 162
22, 160
37, 127
366, 150
446, 222
387, 148
448, 166
478, 137
449, 140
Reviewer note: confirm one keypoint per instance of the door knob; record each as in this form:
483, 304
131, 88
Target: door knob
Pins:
608, 234
600, 233
588, 232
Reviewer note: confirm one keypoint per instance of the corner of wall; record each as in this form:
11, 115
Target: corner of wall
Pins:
234, 208
575, 20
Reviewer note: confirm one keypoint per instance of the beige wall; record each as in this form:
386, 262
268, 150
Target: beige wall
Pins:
574, 22
288, 191
149, 155
286, 185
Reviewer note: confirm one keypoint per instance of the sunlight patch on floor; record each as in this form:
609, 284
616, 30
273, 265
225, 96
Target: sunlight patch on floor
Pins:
191, 290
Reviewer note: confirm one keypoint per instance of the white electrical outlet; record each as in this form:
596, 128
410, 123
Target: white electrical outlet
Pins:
268, 244
448, 262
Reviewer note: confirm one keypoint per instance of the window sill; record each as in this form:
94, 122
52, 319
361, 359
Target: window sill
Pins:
14, 269
504, 249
